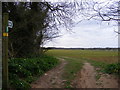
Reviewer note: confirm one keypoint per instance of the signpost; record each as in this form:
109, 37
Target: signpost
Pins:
6, 24
10, 24
5, 52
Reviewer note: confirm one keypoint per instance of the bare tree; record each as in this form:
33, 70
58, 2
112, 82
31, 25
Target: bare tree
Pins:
108, 11
61, 14
105, 11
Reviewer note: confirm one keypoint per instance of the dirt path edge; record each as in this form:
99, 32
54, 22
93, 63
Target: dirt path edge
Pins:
52, 78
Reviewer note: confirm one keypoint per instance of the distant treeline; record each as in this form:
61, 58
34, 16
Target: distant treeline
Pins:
47, 48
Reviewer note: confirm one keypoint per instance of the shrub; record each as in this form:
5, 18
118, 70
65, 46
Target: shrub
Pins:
19, 84
113, 68
22, 71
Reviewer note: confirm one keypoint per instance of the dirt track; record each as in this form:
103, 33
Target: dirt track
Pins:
52, 78
86, 78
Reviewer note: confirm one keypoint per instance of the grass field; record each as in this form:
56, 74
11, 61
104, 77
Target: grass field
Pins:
97, 55
76, 58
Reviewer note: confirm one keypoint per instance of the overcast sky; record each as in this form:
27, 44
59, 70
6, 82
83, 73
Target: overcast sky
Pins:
87, 34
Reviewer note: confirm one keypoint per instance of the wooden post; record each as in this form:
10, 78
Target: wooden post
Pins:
0, 44
5, 52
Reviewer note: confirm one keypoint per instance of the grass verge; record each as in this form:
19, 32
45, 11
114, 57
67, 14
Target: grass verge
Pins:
70, 70
106, 68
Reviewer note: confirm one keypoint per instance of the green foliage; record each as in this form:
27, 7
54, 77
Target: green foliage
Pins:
71, 68
106, 68
29, 18
19, 84
30, 79
23, 71
113, 68
67, 83
97, 64
34, 24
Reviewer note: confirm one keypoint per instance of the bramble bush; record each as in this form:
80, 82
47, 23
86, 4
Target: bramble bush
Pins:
22, 71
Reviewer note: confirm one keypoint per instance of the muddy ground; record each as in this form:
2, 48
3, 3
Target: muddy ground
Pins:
86, 78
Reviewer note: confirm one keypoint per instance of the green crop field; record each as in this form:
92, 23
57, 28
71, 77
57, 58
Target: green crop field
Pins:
106, 56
